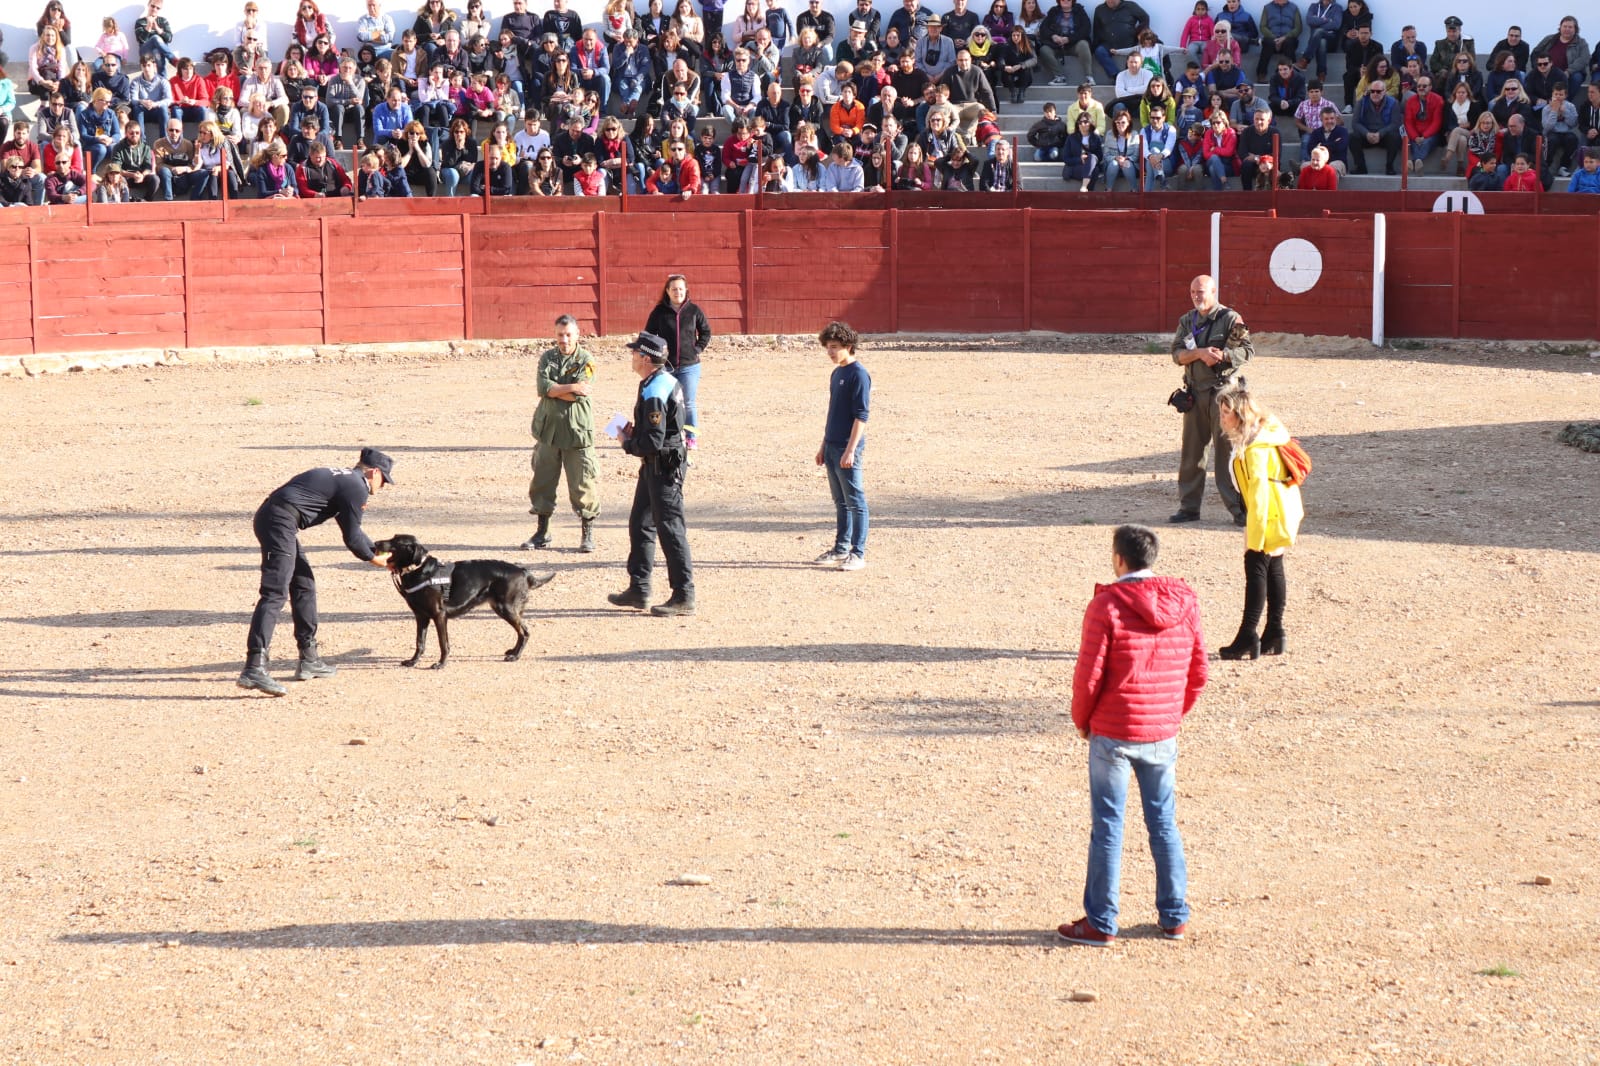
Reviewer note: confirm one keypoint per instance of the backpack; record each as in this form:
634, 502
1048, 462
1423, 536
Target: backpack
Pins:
1296, 462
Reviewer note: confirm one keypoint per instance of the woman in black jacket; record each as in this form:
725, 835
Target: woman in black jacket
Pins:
685, 329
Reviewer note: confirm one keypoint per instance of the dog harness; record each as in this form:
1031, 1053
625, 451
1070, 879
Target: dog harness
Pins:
441, 576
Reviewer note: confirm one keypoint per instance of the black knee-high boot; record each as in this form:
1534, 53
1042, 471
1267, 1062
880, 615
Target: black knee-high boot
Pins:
1247, 645
1277, 597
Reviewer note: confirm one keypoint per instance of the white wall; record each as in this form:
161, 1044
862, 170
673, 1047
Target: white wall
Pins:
203, 24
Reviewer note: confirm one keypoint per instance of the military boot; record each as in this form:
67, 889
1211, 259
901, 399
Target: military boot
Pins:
587, 543
541, 536
255, 675
311, 664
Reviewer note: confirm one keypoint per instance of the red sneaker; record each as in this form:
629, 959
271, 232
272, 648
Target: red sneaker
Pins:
1176, 932
1081, 932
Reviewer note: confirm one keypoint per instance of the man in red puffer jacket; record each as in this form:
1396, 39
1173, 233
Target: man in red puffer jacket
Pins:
1141, 666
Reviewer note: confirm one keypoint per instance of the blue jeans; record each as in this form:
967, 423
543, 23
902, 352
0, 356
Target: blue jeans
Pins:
849, 498
155, 46
600, 82
1156, 767
689, 378
1156, 174
1115, 171
1316, 49
629, 89
1112, 65
1421, 147
1220, 170
1047, 155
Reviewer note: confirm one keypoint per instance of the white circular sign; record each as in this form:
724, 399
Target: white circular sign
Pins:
1296, 265
1460, 201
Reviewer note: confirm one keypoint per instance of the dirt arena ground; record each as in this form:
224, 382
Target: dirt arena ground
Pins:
875, 771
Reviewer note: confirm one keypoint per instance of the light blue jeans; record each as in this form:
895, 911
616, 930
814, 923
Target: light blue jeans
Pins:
1156, 767
849, 498
689, 378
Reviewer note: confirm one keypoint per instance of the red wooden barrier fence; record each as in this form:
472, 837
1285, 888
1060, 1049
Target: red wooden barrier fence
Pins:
310, 273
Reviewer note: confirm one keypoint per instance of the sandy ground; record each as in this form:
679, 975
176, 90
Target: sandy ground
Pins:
874, 770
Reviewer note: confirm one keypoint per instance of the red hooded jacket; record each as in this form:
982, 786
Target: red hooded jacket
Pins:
1141, 662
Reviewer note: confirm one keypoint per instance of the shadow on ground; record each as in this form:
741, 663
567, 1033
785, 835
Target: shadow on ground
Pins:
556, 931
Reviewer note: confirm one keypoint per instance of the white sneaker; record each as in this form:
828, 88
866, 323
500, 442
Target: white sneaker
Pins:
1060, 79
853, 562
831, 557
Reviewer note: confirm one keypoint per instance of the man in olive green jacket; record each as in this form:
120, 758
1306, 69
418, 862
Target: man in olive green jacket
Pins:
1212, 345
563, 432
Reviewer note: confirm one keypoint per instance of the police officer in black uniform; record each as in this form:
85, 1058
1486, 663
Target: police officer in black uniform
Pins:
307, 500
656, 436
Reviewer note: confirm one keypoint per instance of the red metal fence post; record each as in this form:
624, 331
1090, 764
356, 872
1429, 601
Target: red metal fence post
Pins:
188, 273
1455, 275
894, 270
33, 291
600, 273
749, 250
466, 276
1161, 300
1027, 270
327, 288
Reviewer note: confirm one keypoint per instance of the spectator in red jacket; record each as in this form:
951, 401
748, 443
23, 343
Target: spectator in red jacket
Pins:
1317, 174
1141, 666
1423, 119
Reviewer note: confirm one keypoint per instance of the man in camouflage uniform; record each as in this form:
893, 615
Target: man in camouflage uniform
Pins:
563, 431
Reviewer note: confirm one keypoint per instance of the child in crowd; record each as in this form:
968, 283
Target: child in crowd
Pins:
1587, 179
112, 42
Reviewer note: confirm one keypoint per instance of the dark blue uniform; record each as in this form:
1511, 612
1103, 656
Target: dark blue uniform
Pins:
659, 415
309, 499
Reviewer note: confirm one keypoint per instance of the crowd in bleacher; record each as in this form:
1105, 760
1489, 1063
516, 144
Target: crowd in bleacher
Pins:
438, 102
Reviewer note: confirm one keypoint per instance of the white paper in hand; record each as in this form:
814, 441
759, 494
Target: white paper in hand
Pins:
614, 427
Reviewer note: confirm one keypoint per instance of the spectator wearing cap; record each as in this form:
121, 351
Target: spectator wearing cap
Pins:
656, 436
1242, 110
935, 53
1442, 59
1115, 30
856, 46
307, 500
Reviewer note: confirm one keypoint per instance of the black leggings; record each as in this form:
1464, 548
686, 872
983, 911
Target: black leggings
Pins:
1264, 586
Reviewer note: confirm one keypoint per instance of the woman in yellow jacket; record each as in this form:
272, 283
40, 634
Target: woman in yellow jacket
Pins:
1273, 512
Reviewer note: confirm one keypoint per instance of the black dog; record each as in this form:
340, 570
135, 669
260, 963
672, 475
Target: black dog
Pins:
436, 591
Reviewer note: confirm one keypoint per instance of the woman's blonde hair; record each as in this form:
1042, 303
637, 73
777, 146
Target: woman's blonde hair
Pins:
1237, 401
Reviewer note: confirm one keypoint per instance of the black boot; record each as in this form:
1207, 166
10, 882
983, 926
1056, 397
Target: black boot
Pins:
587, 543
679, 603
1246, 645
1272, 640
311, 664
632, 596
541, 536
255, 675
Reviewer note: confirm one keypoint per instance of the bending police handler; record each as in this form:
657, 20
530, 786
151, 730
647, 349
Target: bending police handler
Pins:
307, 500
563, 433
656, 436
1212, 345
